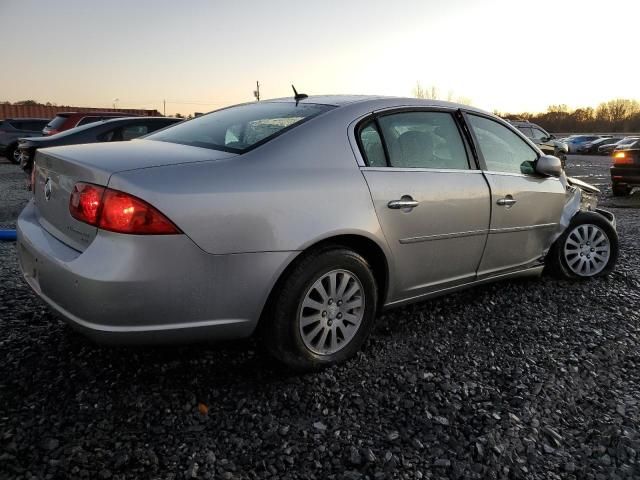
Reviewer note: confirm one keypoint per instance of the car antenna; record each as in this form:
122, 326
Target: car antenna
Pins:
298, 96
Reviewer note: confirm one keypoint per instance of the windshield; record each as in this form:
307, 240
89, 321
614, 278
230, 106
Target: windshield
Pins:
56, 122
237, 129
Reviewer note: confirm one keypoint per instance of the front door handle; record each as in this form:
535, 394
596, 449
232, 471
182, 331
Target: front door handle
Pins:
405, 203
507, 201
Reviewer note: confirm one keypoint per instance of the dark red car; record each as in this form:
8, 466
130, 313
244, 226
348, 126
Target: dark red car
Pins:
625, 171
66, 120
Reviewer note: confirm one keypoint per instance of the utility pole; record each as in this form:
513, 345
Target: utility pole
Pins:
164, 108
256, 92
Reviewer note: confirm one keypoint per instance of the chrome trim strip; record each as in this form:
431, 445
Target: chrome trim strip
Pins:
446, 236
431, 170
522, 229
443, 236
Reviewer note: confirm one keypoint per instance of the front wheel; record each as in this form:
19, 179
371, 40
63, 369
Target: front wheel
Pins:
620, 190
13, 154
324, 310
588, 248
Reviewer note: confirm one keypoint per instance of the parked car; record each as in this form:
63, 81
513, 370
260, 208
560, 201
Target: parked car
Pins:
11, 129
543, 139
608, 149
299, 219
67, 120
592, 146
575, 141
112, 130
625, 171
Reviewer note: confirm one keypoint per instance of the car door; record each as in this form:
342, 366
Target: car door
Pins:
430, 198
525, 207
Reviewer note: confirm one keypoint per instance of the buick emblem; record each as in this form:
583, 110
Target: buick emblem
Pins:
47, 189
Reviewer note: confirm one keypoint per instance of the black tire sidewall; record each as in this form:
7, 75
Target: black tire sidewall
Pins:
579, 219
283, 329
9, 153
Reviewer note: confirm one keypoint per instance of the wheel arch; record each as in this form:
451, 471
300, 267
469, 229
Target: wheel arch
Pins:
370, 249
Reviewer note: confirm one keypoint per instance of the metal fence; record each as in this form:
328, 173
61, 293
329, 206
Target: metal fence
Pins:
50, 111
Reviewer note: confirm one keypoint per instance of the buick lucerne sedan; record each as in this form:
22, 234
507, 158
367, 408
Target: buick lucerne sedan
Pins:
299, 219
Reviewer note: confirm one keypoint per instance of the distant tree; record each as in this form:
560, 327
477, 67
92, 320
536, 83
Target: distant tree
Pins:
429, 94
27, 102
179, 115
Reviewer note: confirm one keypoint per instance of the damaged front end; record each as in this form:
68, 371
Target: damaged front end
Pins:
581, 196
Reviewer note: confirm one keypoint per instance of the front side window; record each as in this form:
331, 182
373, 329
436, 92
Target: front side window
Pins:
527, 131
133, 131
502, 149
87, 120
423, 140
237, 129
539, 134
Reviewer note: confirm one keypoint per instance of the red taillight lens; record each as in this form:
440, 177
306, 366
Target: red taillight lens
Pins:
125, 213
85, 203
622, 158
117, 211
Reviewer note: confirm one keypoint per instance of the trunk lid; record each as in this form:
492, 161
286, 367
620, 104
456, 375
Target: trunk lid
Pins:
58, 169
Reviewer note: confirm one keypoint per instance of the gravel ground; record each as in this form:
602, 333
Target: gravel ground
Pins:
521, 379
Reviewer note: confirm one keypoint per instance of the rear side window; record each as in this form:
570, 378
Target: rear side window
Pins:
502, 149
372, 148
423, 140
17, 124
237, 129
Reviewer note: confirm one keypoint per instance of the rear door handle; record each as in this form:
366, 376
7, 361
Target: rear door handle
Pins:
507, 201
406, 202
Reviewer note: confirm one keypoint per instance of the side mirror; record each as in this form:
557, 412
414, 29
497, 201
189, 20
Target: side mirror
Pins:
549, 166
552, 136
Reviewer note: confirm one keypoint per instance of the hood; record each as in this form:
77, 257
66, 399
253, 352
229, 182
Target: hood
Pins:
587, 187
109, 158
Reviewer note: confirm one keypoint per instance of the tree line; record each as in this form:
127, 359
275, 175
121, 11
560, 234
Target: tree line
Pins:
620, 115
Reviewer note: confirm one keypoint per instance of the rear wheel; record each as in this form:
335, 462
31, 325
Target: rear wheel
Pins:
620, 190
588, 248
324, 310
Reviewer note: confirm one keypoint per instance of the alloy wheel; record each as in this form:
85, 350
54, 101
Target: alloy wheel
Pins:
587, 250
331, 312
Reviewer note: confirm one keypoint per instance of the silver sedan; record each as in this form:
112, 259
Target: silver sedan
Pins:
299, 219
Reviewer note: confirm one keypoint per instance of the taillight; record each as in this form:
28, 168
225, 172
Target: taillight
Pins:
117, 211
85, 202
622, 158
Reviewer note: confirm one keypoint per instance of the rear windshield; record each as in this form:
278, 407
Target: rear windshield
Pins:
56, 122
237, 129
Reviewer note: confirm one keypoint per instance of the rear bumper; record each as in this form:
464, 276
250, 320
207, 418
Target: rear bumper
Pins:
629, 176
147, 289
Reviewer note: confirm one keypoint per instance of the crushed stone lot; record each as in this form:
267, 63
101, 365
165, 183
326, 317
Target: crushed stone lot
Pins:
531, 379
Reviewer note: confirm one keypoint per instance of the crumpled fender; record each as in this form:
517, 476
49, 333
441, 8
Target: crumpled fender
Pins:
581, 196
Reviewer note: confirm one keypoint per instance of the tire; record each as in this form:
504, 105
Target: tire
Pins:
298, 309
620, 190
11, 152
26, 163
566, 257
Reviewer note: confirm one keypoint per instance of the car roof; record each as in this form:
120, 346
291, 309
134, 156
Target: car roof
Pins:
377, 102
23, 119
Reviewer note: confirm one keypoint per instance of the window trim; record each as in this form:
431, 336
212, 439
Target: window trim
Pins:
472, 163
481, 160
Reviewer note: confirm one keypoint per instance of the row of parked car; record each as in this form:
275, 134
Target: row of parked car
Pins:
21, 137
598, 144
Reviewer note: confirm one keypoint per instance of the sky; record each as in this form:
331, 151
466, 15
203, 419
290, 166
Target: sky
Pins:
199, 55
